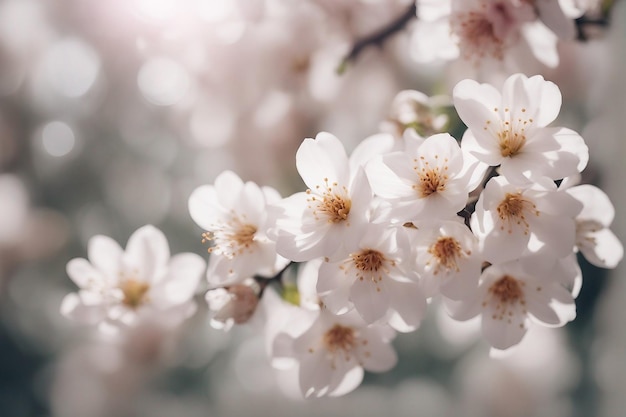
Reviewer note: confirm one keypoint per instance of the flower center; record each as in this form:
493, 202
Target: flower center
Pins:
513, 209
477, 37
332, 205
368, 260
503, 296
446, 251
506, 290
232, 237
431, 179
135, 293
338, 338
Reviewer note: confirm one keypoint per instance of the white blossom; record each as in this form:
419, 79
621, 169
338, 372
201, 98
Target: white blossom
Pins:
510, 128
594, 239
447, 258
509, 298
508, 215
486, 31
375, 279
324, 220
431, 180
121, 287
234, 214
333, 352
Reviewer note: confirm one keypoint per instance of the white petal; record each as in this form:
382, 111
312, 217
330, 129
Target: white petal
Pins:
607, 252
542, 43
596, 204
315, 374
322, 158
181, 281
370, 299
376, 355
227, 187
74, 308
84, 274
202, 207
500, 333
552, 15
349, 382
409, 302
476, 105
105, 254
148, 251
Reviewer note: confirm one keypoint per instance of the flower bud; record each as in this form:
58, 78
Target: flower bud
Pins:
234, 304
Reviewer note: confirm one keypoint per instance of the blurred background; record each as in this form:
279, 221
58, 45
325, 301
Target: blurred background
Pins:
112, 112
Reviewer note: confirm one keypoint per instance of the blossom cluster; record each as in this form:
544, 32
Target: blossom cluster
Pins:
489, 224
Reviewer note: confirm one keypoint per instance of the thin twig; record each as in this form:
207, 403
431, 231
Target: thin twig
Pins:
378, 38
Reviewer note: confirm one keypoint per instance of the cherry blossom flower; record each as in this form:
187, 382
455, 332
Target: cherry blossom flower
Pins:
508, 298
508, 215
120, 287
333, 352
510, 129
594, 239
376, 280
234, 214
324, 220
431, 180
447, 258
485, 31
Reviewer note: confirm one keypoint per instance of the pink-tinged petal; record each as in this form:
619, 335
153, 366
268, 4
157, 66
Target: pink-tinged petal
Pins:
606, 250
596, 204
181, 281
500, 333
74, 307
322, 158
370, 299
374, 354
105, 254
84, 274
203, 207
542, 43
148, 252
348, 383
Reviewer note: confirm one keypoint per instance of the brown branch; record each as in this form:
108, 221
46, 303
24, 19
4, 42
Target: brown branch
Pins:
379, 37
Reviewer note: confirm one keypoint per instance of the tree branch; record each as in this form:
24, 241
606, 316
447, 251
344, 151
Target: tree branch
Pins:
378, 38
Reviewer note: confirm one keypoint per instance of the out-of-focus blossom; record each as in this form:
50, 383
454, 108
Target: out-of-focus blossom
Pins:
509, 297
594, 239
123, 287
